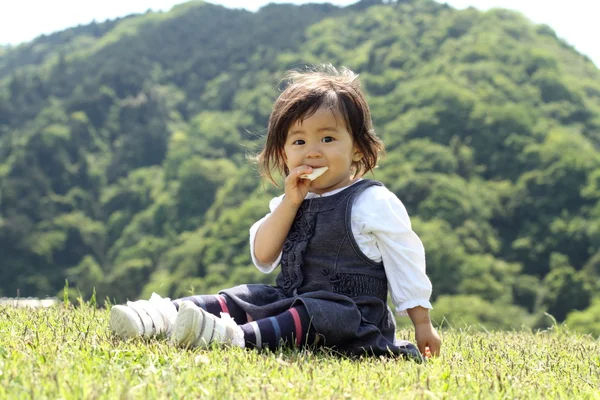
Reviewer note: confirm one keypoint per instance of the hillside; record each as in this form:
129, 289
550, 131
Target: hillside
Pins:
124, 168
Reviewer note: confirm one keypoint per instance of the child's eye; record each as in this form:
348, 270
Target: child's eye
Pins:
299, 141
327, 139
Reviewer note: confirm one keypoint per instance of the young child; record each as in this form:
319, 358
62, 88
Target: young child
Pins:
342, 242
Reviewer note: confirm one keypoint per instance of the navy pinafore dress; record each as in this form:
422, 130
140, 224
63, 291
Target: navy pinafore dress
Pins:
322, 267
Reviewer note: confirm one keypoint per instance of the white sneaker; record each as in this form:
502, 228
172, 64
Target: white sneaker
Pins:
125, 322
143, 317
195, 327
167, 310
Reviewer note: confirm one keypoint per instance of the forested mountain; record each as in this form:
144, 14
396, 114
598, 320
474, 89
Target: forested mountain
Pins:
124, 151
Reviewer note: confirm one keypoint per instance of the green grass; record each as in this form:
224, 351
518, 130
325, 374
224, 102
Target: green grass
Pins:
68, 353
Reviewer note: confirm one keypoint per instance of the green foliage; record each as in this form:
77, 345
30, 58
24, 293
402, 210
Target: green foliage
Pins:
566, 289
125, 146
473, 312
199, 179
586, 321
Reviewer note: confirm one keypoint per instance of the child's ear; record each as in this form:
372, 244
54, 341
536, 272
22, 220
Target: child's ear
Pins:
357, 156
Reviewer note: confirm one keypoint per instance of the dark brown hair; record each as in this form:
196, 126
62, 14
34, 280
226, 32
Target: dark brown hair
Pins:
305, 93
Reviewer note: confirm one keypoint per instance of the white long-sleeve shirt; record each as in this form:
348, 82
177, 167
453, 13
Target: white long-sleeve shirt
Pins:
383, 232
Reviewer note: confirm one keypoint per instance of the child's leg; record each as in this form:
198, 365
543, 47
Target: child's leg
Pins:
217, 304
197, 327
157, 315
291, 327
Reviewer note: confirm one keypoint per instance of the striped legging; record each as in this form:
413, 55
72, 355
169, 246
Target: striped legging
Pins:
291, 327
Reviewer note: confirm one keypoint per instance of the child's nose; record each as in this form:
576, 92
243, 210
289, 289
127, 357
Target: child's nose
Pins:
313, 151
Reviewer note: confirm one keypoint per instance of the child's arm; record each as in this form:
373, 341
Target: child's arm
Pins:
274, 229
383, 215
425, 334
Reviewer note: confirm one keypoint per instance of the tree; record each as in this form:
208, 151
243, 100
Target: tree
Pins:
565, 288
586, 321
475, 313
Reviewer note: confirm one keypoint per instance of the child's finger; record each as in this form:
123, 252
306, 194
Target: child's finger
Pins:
422, 347
304, 170
295, 174
293, 177
434, 349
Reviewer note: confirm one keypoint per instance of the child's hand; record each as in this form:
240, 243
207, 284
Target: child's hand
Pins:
428, 340
296, 188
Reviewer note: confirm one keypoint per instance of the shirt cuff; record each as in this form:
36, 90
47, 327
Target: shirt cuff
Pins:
402, 308
265, 268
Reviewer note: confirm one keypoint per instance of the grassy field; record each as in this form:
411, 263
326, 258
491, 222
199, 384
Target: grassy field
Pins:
67, 353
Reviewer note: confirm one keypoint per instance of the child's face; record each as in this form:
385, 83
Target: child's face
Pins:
322, 140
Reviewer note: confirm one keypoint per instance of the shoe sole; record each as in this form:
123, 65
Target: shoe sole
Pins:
188, 322
123, 322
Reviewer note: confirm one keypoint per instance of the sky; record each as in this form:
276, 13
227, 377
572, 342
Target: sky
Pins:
22, 21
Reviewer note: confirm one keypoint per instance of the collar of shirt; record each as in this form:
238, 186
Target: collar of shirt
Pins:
311, 195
